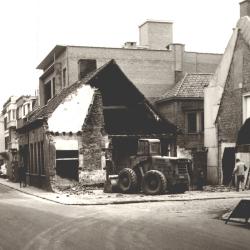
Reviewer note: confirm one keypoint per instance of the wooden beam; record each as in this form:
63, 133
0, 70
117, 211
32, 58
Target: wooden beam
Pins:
115, 107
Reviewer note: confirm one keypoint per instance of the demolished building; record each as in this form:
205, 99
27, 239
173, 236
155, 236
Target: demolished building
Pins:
64, 141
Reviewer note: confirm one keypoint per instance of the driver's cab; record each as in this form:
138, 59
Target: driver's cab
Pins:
149, 147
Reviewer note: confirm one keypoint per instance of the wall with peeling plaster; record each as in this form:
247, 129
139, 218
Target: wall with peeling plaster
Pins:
70, 115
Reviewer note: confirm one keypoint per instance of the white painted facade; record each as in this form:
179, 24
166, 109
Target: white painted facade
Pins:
212, 99
70, 115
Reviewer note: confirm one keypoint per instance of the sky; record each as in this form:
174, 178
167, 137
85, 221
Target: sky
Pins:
29, 30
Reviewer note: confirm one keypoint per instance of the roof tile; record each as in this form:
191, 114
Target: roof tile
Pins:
191, 86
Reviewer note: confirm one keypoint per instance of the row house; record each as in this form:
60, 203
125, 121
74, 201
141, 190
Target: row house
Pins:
14, 111
65, 141
10, 141
184, 107
227, 104
2, 142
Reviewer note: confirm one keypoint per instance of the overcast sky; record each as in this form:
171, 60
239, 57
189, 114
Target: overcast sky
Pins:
31, 28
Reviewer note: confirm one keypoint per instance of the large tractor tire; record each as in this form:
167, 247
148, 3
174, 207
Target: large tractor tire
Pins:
154, 182
127, 180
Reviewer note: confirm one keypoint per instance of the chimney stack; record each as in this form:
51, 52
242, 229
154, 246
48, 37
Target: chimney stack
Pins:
156, 35
245, 8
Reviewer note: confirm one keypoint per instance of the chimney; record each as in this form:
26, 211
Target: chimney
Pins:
156, 35
245, 8
129, 45
178, 50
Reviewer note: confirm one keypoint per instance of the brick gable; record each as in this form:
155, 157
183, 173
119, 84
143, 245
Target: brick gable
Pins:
229, 117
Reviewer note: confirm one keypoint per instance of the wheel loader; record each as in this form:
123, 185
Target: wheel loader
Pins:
152, 173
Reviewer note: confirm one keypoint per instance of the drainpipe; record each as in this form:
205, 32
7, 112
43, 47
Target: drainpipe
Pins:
67, 56
218, 156
28, 152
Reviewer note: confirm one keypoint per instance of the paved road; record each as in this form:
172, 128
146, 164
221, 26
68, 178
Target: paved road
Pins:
31, 223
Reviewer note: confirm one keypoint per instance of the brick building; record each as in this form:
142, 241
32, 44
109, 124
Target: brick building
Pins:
63, 142
2, 142
14, 111
155, 65
10, 141
183, 105
227, 101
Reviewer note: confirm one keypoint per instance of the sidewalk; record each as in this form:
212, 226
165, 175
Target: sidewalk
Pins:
98, 197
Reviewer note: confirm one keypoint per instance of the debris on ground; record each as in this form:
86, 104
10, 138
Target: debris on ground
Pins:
77, 189
218, 188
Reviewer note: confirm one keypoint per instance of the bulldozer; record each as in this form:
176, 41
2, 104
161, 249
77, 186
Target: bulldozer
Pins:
152, 173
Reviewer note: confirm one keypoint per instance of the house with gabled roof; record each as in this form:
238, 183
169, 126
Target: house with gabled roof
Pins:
227, 101
63, 142
184, 107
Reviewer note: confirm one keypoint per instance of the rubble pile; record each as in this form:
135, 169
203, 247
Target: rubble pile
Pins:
77, 189
218, 188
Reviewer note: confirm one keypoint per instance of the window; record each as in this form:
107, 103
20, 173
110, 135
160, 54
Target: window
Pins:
31, 159
6, 142
19, 113
14, 114
9, 115
39, 170
5, 123
192, 122
53, 87
42, 159
143, 148
67, 164
86, 66
202, 121
33, 104
28, 105
246, 106
47, 91
35, 158
155, 148
195, 122
64, 77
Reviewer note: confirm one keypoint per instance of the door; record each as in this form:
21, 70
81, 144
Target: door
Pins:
228, 162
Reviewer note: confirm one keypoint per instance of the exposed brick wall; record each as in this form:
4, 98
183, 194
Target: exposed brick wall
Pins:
230, 113
175, 111
168, 110
144, 67
33, 136
92, 143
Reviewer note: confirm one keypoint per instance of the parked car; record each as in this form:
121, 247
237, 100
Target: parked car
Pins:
3, 171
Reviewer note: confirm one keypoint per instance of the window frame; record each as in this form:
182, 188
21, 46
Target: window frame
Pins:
199, 122
244, 106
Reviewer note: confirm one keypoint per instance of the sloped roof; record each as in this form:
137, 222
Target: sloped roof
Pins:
219, 79
48, 109
117, 90
191, 86
244, 26
153, 90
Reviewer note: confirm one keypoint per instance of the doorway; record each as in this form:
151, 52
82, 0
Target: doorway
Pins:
228, 162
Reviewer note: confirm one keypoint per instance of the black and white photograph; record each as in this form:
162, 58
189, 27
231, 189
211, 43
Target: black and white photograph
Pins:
125, 125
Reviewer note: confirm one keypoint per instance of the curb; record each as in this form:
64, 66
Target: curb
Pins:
29, 193
125, 201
